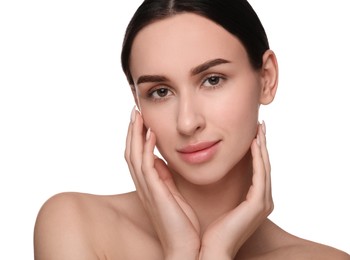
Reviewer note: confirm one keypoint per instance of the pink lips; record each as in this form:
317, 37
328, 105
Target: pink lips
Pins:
200, 152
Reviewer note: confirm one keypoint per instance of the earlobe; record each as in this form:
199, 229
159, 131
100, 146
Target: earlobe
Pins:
269, 77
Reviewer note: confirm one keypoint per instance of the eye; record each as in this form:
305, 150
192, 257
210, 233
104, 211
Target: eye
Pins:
212, 81
159, 93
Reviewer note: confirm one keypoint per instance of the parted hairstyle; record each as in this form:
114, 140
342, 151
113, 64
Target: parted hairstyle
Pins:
236, 16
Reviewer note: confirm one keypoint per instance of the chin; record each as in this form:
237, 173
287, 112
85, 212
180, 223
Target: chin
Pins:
201, 174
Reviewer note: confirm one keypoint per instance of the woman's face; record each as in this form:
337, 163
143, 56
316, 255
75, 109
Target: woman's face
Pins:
198, 93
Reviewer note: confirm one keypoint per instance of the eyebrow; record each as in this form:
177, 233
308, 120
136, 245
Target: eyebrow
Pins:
151, 78
207, 65
196, 70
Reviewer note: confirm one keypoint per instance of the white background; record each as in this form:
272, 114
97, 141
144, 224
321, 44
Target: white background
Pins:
65, 105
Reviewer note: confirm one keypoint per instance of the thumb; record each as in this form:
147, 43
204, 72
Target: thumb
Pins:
165, 175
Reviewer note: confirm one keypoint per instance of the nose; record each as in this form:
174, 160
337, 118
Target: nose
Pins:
190, 118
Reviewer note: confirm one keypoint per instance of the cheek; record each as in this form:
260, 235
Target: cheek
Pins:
165, 133
161, 123
238, 113
153, 119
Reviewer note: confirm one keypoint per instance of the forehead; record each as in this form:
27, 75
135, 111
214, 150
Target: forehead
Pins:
182, 41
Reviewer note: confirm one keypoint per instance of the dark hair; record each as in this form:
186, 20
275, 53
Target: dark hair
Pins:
236, 16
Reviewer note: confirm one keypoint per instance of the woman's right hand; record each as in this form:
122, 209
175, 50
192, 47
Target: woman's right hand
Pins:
225, 236
174, 220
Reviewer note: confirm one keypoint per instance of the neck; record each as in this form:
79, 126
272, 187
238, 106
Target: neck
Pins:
212, 201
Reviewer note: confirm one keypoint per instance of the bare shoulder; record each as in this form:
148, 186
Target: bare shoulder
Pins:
306, 250
85, 226
279, 244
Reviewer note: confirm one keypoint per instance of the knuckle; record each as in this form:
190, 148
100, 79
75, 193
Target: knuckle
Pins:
265, 207
269, 206
126, 155
259, 205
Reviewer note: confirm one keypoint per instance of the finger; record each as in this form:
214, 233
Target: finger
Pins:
264, 153
165, 175
160, 193
157, 175
258, 167
148, 156
263, 147
170, 204
151, 175
128, 148
136, 151
128, 137
165, 195
153, 162
266, 160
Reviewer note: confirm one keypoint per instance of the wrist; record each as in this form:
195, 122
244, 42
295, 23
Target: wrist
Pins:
189, 252
182, 256
214, 253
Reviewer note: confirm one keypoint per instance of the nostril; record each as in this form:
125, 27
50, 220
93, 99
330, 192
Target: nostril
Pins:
190, 117
190, 125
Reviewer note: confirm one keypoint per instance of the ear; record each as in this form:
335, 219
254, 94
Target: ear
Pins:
269, 77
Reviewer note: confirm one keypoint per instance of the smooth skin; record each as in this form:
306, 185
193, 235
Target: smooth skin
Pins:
173, 218
214, 208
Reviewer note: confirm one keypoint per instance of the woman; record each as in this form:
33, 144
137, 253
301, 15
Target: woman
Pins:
199, 71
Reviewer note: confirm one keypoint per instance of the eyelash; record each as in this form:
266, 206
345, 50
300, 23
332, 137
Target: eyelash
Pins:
216, 76
212, 87
154, 90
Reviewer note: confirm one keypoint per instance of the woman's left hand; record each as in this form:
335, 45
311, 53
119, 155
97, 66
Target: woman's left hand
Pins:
224, 237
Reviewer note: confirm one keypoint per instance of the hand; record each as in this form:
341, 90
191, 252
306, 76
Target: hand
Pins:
174, 220
224, 237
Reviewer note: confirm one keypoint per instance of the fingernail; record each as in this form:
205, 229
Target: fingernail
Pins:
148, 134
263, 127
133, 115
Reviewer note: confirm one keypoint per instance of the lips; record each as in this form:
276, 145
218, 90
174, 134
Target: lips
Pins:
200, 152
